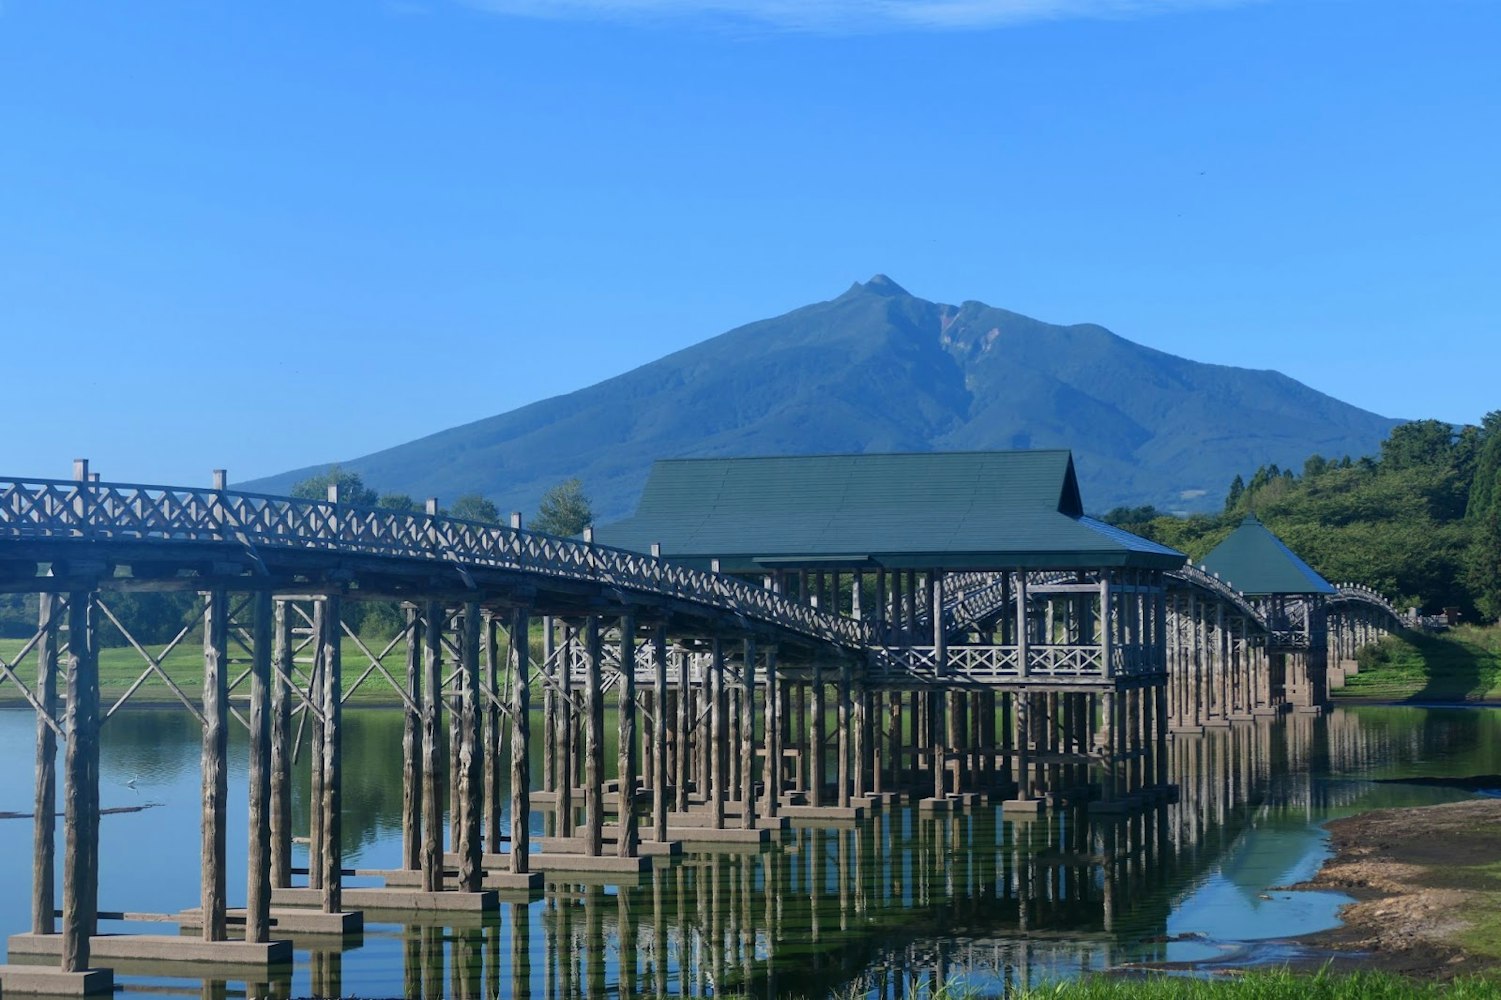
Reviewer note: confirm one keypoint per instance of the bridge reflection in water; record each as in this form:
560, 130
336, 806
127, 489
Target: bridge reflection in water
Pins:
897, 900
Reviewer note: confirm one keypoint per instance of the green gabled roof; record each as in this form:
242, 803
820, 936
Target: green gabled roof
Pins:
1257, 563
922, 510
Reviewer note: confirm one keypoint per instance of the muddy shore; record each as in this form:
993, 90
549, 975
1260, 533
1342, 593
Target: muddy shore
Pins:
1427, 887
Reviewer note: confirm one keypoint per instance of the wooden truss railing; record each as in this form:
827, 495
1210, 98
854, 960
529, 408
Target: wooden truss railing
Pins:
991, 664
67, 510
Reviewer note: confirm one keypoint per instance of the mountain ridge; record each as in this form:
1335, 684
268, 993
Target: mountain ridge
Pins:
879, 369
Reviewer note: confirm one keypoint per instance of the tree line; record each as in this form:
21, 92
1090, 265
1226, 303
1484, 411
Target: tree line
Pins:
1420, 522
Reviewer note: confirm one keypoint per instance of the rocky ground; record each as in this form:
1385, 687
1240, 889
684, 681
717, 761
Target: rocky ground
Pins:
1427, 885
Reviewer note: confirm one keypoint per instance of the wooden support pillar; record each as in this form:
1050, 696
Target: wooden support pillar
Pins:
521, 744
466, 749
333, 759
773, 734
281, 748
845, 722
215, 763
717, 734
432, 716
490, 700
315, 754
814, 736
860, 733
594, 742
747, 747
80, 786
682, 760
258, 862
411, 749
44, 826
659, 734
567, 727
627, 845
937, 729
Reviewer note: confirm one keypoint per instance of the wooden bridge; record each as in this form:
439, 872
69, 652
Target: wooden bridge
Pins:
1042, 677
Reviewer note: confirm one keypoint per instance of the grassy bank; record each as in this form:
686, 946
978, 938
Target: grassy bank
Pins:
1462, 664
1272, 984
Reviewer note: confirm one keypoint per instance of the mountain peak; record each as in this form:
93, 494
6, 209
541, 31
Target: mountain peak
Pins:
882, 285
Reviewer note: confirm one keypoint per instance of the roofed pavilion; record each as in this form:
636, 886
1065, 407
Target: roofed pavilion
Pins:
977, 573
1292, 595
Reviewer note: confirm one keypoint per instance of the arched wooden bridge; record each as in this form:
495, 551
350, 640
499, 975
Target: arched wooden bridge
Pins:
1043, 686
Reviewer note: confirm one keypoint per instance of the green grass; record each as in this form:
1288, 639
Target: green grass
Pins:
1269, 985
1463, 664
119, 666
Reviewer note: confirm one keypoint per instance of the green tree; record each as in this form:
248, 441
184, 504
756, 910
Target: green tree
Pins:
564, 510
398, 503
1483, 560
1236, 495
1421, 442
352, 489
473, 507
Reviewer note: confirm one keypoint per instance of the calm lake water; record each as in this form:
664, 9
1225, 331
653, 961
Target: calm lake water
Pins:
897, 902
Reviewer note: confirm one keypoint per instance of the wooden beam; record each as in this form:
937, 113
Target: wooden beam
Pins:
471, 767
521, 809
432, 713
332, 804
44, 829
627, 843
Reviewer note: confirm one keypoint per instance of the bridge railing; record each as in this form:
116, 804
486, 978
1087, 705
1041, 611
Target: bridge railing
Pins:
1198, 576
1357, 593
42, 509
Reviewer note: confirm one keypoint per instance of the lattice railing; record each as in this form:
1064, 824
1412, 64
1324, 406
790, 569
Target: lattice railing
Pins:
1197, 576
61, 510
1355, 593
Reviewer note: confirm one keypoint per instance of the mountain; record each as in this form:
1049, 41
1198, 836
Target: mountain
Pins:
878, 369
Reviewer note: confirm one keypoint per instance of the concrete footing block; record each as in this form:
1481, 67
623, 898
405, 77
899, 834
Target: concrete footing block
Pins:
934, 805
798, 813
570, 862
160, 948
40, 980
691, 835
1024, 807
286, 921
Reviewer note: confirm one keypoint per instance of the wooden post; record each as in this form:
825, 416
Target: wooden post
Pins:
215, 762
521, 726
44, 827
594, 742
258, 862
333, 759
315, 765
773, 734
566, 731
81, 786
411, 749
491, 703
281, 748
844, 731
471, 767
717, 733
432, 712
659, 734
627, 843
684, 720
747, 748
813, 737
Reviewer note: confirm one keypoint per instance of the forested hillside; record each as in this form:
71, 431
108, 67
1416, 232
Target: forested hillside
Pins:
1421, 522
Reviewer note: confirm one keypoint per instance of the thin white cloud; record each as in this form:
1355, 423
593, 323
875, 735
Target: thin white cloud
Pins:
849, 15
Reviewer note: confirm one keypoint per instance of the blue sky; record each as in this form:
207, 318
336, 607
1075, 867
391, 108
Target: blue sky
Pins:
265, 235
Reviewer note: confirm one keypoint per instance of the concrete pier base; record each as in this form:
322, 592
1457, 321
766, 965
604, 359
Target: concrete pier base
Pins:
399, 899
1024, 807
160, 948
798, 813
286, 921
691, 835
41, 980
565, 862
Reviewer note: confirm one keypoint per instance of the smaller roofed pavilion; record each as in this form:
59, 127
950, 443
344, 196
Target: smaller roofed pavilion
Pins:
1292, 595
